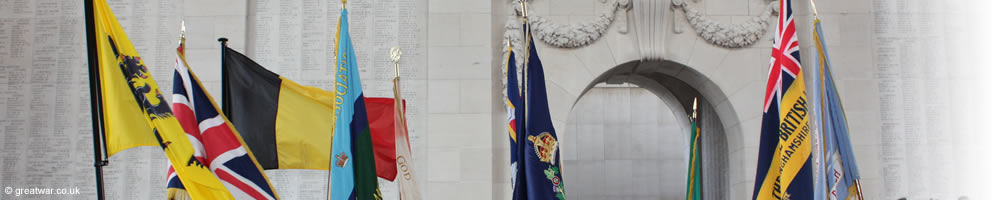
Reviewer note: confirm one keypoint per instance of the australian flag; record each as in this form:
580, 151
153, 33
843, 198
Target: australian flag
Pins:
784, 162
216, 143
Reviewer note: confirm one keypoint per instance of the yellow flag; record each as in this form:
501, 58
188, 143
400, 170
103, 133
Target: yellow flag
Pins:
124, 124
136, 114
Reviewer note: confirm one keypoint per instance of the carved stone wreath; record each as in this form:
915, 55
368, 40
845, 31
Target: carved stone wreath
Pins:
582, 34
563, 36
728, 35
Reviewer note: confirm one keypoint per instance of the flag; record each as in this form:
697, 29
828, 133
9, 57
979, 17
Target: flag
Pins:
381, 120
542, 163
784, 164
840, 170
352, 167
136, 112
694, 165
220, 145
285, 125
515, 114
408, 189
124, 126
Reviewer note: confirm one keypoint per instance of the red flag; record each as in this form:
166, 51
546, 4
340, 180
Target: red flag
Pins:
382, 126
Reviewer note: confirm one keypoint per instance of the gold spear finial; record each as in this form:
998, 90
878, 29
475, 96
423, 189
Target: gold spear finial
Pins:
344, 2
694, 109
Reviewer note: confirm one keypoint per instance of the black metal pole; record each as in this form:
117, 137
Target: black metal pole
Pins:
226, 106
96, 113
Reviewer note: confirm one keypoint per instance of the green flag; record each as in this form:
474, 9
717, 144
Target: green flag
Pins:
694, 166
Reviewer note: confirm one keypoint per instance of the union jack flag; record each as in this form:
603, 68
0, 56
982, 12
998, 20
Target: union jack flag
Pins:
216, 143
784, 56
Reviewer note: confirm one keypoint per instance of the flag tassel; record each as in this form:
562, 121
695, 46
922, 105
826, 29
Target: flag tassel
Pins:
100, 156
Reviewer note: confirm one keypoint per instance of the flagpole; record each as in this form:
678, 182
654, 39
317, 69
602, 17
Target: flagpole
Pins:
524, 69
226, 105
522, 126
815, 12
861, 195
395, 53
96, 110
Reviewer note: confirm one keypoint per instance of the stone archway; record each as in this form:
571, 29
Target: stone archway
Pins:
676, 86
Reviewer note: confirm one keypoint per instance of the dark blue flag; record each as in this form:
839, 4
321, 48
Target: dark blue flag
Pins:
540, 147
515, 127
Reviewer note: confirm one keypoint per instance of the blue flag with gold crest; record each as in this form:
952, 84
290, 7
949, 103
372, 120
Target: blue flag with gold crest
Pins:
542, 164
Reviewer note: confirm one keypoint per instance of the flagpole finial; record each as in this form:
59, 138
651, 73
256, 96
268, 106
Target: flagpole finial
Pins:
694, 109
815, 12
344, 2
183, 29
395, 53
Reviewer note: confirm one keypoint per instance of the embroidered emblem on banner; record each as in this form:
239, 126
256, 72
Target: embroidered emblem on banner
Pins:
342, 159
139, 80
545, 147
557, 187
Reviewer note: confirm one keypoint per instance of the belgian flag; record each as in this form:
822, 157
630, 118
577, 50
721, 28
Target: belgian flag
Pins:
285, 125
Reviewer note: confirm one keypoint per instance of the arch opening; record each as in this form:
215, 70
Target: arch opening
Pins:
639, 84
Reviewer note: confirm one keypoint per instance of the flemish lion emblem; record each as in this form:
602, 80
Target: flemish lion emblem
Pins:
545, 146
144, 88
